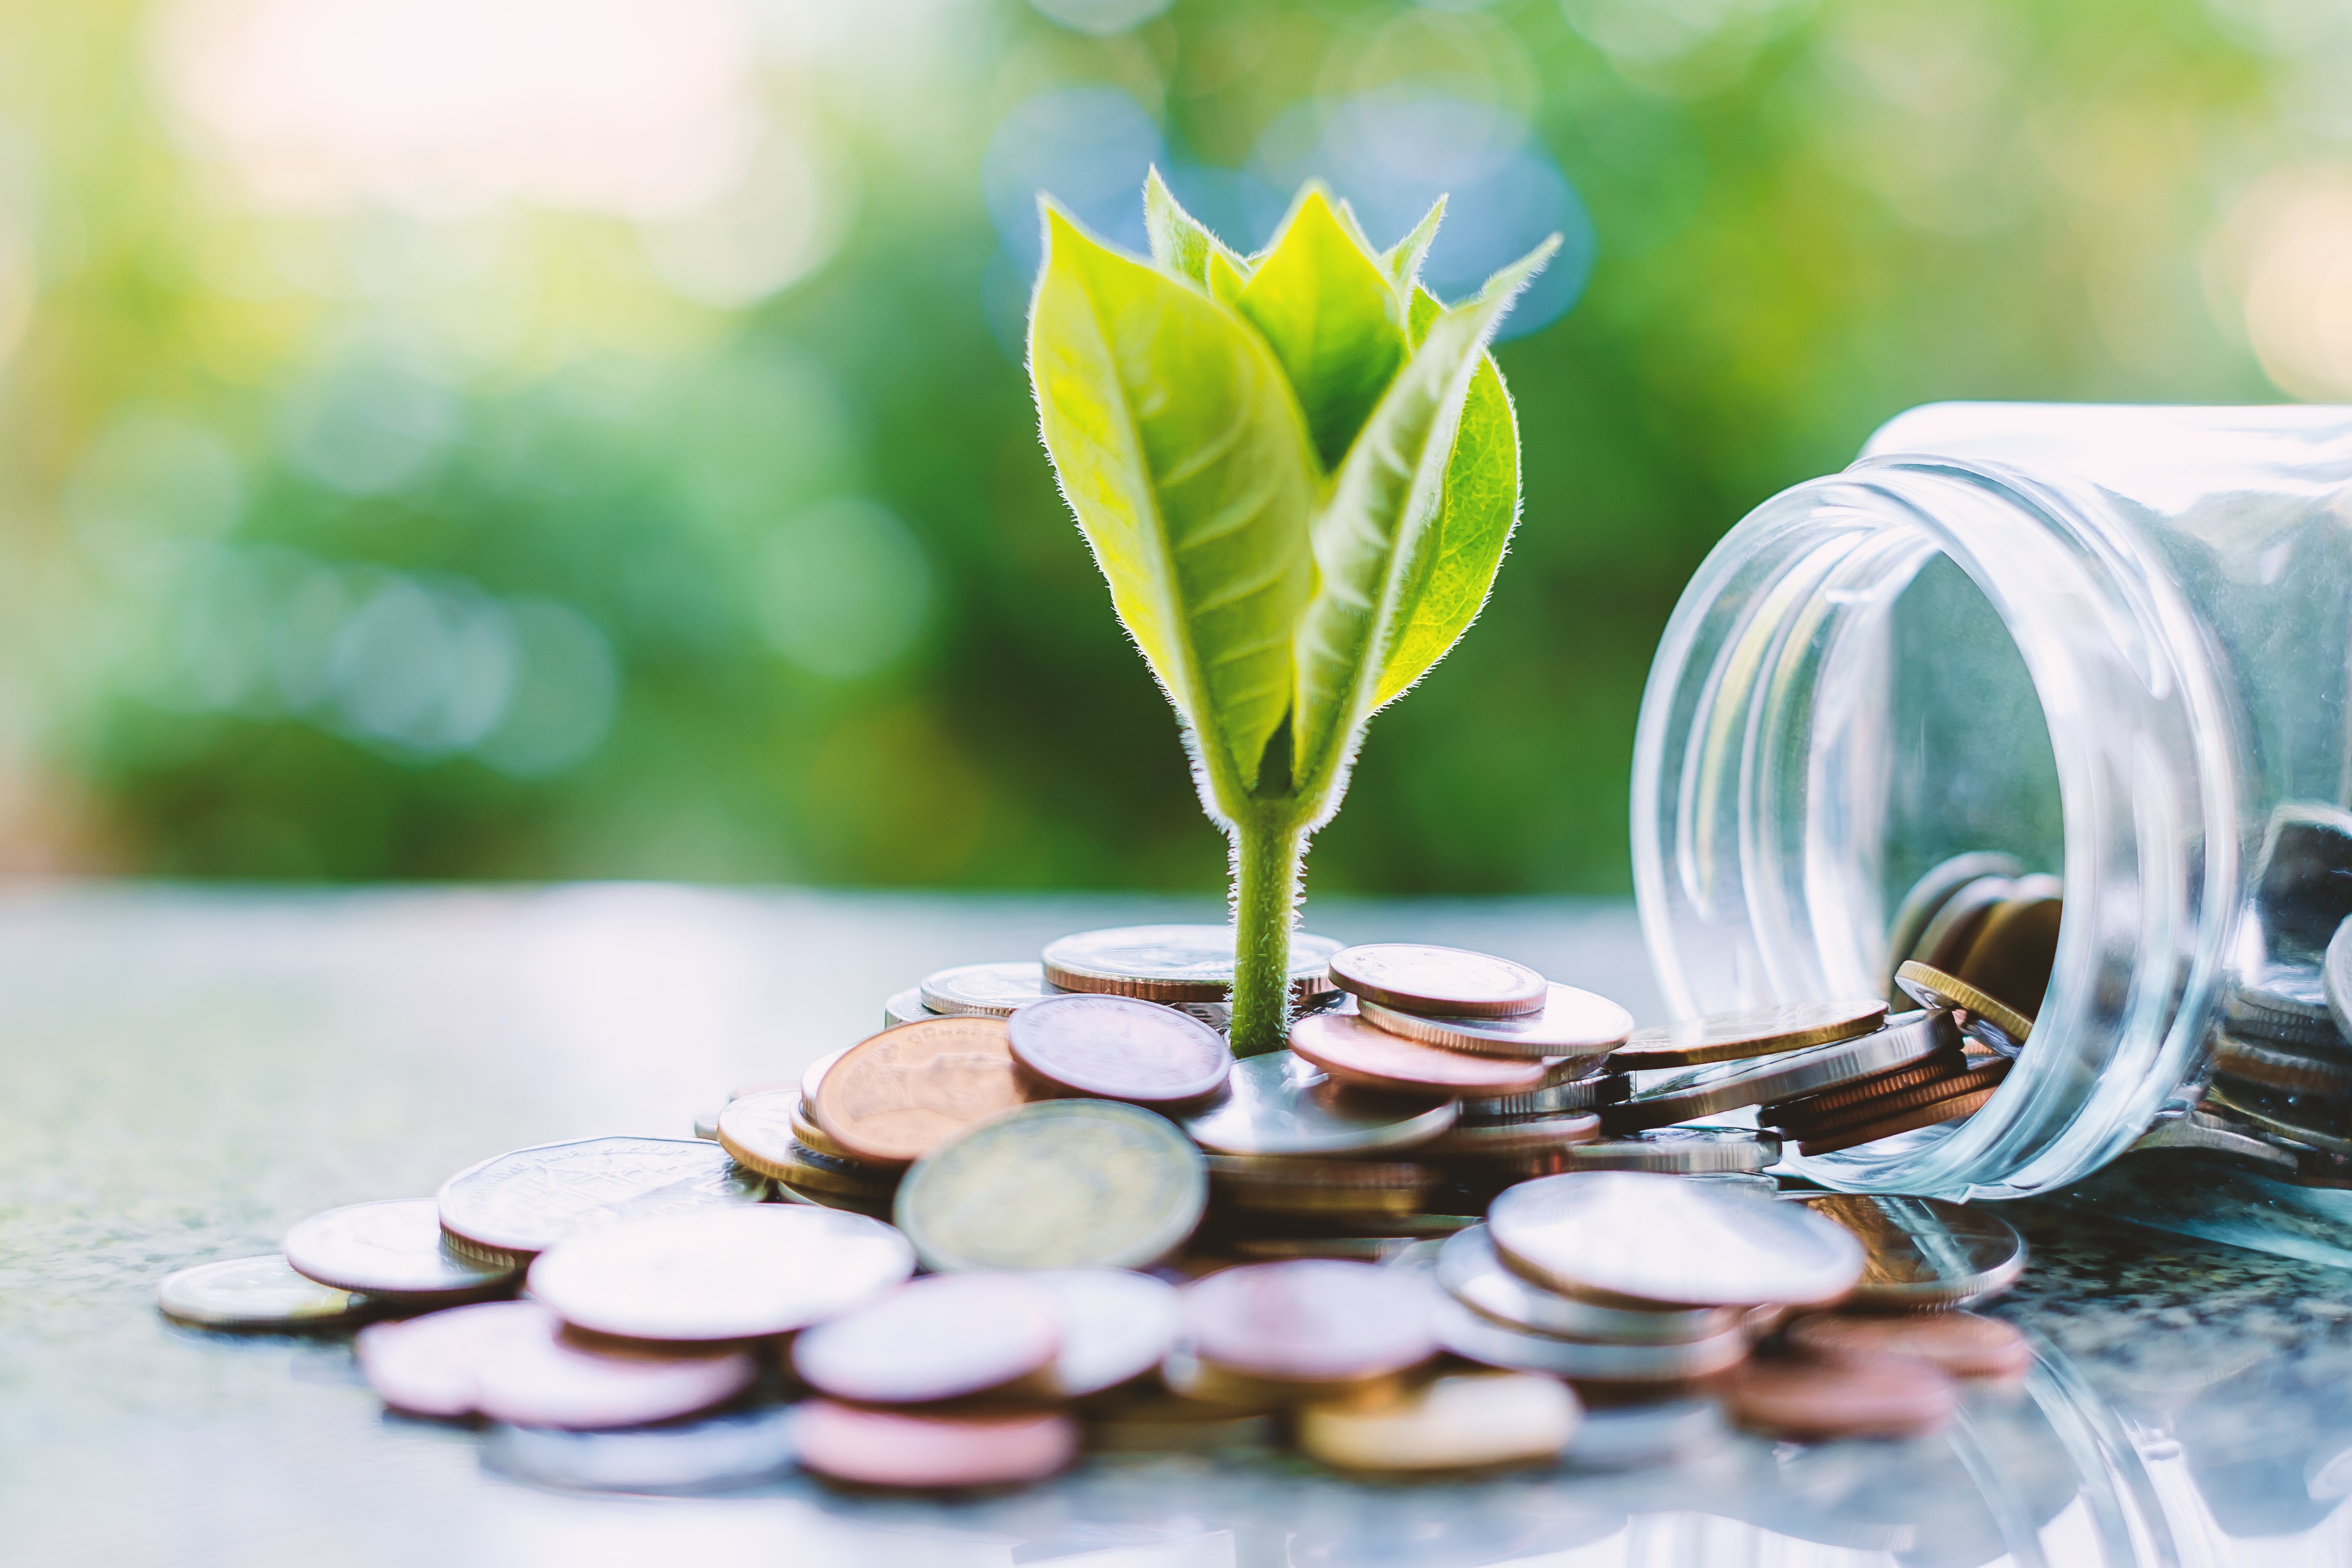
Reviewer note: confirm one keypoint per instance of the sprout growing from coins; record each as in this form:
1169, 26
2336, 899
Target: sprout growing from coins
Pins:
1298, 472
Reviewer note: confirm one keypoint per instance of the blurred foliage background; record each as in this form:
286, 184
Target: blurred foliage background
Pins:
586, 438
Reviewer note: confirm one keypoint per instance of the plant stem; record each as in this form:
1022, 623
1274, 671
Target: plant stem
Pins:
1268, 853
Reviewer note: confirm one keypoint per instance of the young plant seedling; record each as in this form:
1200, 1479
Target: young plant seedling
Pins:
1298, 471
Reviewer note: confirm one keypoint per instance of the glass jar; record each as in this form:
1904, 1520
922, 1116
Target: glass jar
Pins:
2114, 643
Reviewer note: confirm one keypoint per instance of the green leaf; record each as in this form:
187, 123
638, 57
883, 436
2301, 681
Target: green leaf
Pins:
1180, 243
1226, 278
1402, 261
1384, 514
1182, 450
1333, 317
1456, 569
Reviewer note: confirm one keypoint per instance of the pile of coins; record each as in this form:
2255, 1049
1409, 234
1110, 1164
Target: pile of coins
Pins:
1045, 1210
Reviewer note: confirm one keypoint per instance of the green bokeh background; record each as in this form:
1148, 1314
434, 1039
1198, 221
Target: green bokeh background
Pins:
260, 454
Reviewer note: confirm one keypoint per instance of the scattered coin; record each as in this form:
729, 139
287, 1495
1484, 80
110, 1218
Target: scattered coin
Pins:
1727, 1086
1579, 1094
1927, 896
906, 1008
1067, 1184
1280, 1104
984, 990
1924, 1252
1801, 1122
1465, 1266
1120, 1047
943, 1337
256, 1294
1475, 1337
1962, 1344
1116, 1324
2012, 952
1967, 1102
1295, 1184
762, 1132
1571, 1023
1758, 1032
2295, 1070
1311, 1319
892, 1098
1353, 1052
1452, 982
1519, 1136
394, 1249
1891, 1396
1463, 1421
1596, 1236
810, 1136
892, 1448
511, 1207
541, 1379
432, 1365
1934, 989
838, 1182
720, 1274
702, 1455
1173, 963
1679, 1150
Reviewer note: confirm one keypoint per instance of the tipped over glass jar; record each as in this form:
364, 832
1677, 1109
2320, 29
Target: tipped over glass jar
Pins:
2106, 646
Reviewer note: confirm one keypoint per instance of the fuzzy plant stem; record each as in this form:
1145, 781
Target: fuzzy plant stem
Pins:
1267, 854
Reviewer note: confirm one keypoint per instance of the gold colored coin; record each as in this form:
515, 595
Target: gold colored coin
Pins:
894, 1098
2011, 954
1934, 989
1296, 1185
761, 1131
1926, 898
1465, 1421
1758, 1032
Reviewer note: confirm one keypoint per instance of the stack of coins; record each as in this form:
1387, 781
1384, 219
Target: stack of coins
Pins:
1044, 1208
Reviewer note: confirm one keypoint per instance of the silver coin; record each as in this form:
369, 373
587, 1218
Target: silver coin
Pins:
722, 1452
706, 1125
905, 1007
2216, 1133
1465, 1267
542, 1380
391, 1249
2284, 1002
1678, 1150
945, 1336
1923, 1253
1173, 963
985, 990
516, 1205
1517, 1135
1570, 1022
1120, 1047
1637, 1239
1477, 1337
1279, 1104
1117, 1325
256, 1293
1660, 1100
811, 1076
709, 1275
1578, 1094
1450, 981
432, 1365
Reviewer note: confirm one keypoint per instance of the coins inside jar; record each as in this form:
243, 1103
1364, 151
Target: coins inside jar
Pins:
1173, 963
1120, 1047
1935, 989
1757, 1032
1926, 898
513, 1206
1416, 978
893, 1097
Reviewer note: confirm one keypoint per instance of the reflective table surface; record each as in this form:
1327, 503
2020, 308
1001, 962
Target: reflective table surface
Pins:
183, 1074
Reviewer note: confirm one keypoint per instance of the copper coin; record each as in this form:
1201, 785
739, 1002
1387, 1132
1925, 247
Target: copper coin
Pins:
1806, 1124
1757, 1032
894, 1098
432, 1365
1927, 897
1174, 964
1449, 982
1311, 1319
937, 1338
888, 1448
1661, 1100
809, 1135
1933, 988
2011, 954
1352, 1051
1887, 1397
1831, 1101
1923, 1253
1571, 1026
1962, 1344
1120, 1047
1929, 1115
542, 1379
